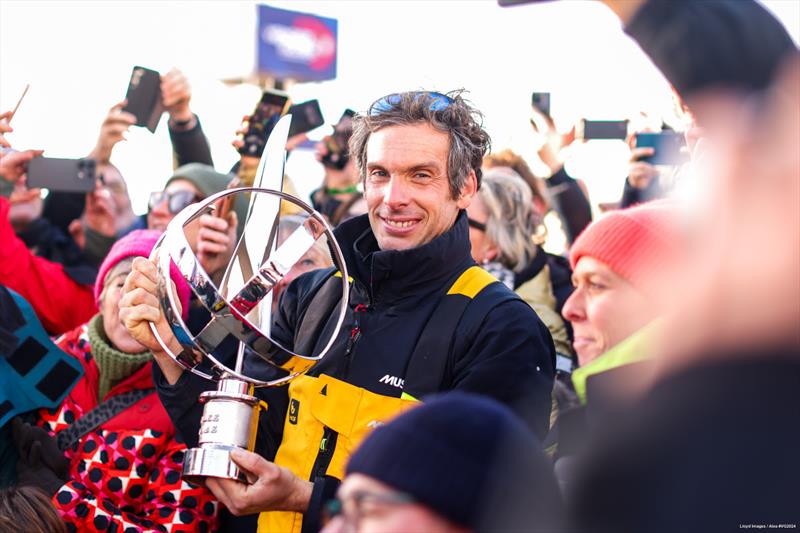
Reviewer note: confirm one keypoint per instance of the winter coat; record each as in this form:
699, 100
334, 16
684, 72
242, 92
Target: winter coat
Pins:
59, 301
393, 295
538, 293
126, 473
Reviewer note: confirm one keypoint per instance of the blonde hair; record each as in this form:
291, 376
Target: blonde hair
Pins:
512, 225
509, 158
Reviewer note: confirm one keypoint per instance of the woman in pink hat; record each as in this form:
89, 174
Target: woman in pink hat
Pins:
109, 455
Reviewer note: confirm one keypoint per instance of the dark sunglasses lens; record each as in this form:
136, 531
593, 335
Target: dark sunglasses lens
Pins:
155, 199
180, 199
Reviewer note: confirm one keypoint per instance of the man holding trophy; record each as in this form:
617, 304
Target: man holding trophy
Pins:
421, 317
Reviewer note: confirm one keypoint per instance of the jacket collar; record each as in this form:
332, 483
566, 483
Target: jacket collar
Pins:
532, 269
393, 275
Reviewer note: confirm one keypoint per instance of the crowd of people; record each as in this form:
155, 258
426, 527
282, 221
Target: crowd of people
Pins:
647, 379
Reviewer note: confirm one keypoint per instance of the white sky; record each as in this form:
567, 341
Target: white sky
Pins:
77, 57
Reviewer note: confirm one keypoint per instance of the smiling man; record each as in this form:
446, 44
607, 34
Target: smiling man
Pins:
422, 317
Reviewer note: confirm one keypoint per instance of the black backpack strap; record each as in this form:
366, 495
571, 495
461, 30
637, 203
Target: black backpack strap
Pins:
97, 416
428, 364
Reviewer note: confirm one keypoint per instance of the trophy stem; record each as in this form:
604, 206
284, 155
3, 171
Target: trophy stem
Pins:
230, 420
239, 358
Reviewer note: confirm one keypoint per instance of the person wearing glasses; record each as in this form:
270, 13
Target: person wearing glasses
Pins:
506, 232
415, 474
423, 317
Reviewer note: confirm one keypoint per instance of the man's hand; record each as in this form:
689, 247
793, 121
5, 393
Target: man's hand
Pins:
14, 164
5, 127
640, 173
175, 96
112, 131
98, 216
139, 306
273, 487
215, 241
99, 212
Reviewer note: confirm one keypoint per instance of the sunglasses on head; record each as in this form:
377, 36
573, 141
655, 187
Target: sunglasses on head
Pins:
438, 101
176, 200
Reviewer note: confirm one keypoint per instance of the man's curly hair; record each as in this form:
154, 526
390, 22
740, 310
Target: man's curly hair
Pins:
453, 115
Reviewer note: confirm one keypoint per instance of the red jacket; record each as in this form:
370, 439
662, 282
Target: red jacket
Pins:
126, 472
60, 302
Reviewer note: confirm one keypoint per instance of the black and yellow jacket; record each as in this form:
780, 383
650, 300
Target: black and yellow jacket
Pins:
496, 345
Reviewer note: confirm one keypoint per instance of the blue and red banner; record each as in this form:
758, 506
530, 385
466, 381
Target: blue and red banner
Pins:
296, 45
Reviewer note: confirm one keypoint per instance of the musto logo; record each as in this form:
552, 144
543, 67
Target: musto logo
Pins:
307, 40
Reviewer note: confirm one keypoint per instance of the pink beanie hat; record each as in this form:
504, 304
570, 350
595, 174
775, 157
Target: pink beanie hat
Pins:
139, 243
632, 242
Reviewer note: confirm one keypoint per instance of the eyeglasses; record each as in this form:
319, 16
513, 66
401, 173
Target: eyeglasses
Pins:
480, 226
355, 506
439, 102
176, 200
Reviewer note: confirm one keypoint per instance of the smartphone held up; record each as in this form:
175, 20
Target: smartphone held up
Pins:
272, 106
306, 116
336, 151
603, 129
144, 97
669, 147
66, 175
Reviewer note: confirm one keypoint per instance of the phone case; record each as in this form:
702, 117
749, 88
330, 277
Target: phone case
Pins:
272, 106
605, 129
144, 97
667, 145
541, 101
69, 175
305, 117
337, 155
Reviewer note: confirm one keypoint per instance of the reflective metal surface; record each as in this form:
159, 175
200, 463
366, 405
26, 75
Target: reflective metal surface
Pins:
240, 308
231, 318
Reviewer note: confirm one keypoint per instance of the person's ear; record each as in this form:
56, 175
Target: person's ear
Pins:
492, 253
468, 190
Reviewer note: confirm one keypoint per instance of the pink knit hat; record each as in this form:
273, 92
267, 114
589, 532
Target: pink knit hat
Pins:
139, 243
632, 242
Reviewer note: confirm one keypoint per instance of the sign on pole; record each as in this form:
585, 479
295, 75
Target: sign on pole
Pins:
296, 45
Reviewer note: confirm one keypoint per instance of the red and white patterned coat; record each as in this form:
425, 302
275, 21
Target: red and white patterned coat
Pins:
124, 475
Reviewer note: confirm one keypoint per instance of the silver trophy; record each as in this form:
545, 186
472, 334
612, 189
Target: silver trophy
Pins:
240, 308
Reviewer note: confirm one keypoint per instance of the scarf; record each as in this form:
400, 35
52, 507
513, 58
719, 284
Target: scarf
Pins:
114, 365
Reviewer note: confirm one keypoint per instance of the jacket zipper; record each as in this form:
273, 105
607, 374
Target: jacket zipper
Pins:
326, 446
355, 335
328, 442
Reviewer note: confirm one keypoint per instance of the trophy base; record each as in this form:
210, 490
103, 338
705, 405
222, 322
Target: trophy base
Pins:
201, 463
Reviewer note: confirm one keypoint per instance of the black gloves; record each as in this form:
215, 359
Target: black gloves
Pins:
41, 464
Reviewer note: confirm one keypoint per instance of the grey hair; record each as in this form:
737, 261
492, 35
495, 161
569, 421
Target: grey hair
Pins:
463, 123
124, 266
513, 225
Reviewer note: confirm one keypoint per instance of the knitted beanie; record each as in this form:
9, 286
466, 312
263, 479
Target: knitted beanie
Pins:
632, 242
135, 244
208, 181
453, 453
